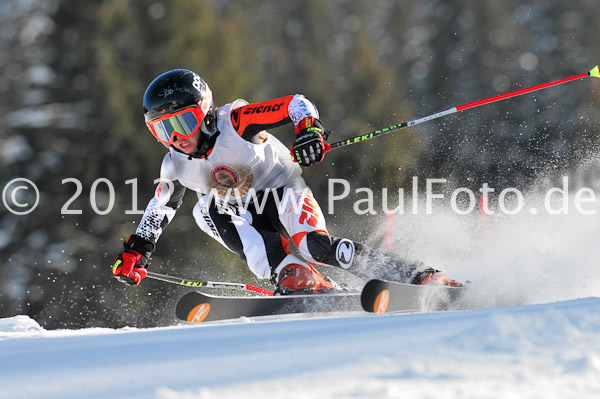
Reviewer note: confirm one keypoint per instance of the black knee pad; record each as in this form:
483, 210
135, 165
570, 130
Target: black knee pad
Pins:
331, 250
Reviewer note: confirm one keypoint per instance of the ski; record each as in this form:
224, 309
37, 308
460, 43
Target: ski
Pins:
197, 307
380, 296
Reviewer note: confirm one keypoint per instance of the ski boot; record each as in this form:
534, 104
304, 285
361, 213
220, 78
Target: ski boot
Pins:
296, 278
432, 276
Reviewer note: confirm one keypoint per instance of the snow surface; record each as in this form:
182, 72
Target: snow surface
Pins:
532, 351
532, 331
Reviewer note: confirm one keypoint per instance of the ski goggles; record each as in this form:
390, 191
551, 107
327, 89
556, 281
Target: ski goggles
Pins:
183, 123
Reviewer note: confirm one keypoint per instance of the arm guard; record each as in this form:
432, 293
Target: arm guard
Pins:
162, 207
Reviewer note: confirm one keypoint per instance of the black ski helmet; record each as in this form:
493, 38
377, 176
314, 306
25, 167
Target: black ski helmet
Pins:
176, 90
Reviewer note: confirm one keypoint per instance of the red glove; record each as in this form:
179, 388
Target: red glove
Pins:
130, 266
309, 148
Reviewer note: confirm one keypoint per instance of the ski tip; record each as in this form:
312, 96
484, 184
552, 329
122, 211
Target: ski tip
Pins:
375, 296
381, 302
198, 313
594, 72
193, 307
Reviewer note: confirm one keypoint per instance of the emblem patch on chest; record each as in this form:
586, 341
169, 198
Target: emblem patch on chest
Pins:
235, 177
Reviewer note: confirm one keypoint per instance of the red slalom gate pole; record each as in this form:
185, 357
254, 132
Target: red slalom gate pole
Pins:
594, 72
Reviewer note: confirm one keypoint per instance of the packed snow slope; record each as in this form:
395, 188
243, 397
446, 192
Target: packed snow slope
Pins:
533, 351
528, 327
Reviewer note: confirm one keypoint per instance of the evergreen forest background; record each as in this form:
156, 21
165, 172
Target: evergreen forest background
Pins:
73, 73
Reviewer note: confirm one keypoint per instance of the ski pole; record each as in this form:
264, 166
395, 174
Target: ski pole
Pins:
207, 284
594, 72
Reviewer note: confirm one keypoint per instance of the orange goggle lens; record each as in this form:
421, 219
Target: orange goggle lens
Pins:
184, 123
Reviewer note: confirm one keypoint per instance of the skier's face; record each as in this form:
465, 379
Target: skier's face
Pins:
188, 145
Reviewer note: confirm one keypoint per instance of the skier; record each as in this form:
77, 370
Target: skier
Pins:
226, 155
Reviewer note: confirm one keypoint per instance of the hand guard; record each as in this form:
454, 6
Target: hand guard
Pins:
309, 148
130, 266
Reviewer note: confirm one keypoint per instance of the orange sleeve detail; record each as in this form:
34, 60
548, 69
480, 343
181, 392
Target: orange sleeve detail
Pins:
261, 116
